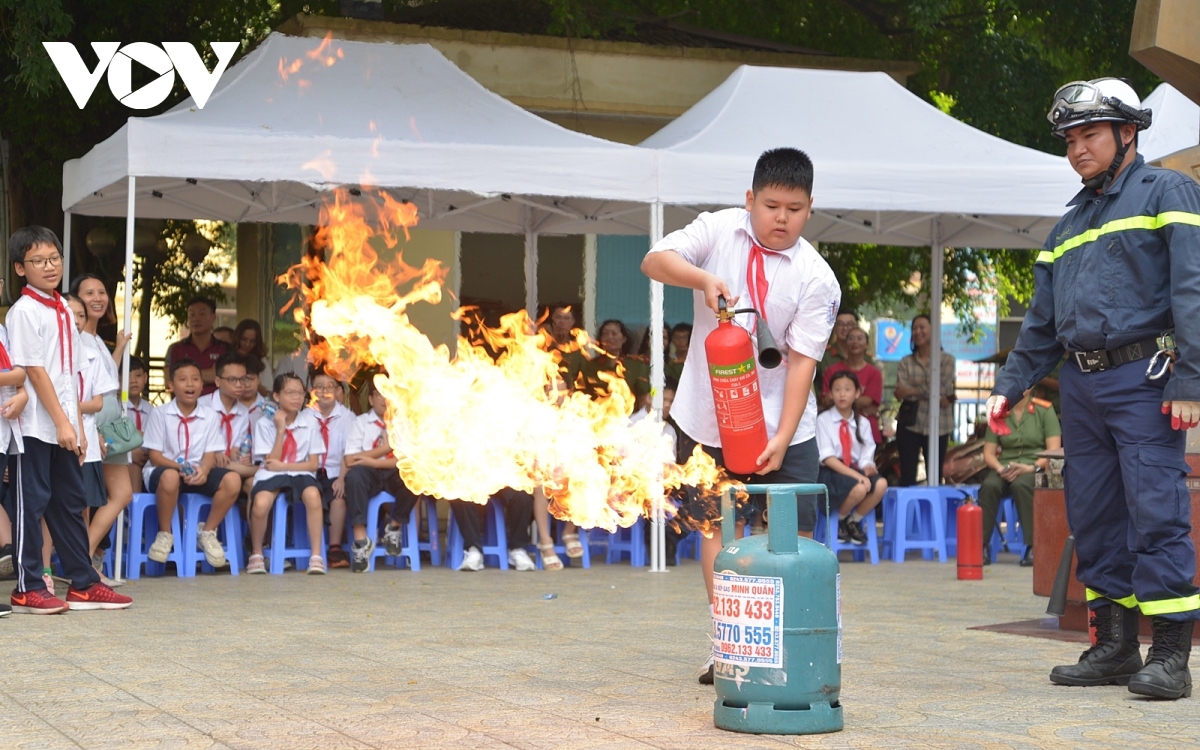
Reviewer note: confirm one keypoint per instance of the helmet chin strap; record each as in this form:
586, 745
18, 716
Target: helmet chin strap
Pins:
1101, 181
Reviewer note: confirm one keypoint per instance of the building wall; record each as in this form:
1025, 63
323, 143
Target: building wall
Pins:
623, 291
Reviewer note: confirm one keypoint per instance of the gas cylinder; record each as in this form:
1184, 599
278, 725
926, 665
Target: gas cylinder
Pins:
777, 624
734, 379
970, 541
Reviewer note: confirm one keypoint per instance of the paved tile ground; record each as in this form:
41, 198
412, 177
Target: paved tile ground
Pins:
437, 659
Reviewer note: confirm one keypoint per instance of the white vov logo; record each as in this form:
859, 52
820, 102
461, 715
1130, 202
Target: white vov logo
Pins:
118, 61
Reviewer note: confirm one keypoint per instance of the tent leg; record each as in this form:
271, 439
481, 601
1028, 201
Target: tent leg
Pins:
531, 264
935, 350
658, 535
589, 282
127, 320
66, 243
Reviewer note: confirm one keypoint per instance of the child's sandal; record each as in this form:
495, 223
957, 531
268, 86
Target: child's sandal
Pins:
255, 565
316, 566
550, 560
574, 548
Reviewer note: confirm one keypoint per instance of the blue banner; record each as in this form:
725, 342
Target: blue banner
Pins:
893, 341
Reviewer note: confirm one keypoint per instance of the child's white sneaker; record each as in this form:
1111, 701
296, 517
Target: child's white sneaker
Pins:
519, 559
164, 542
472, 560
213, 552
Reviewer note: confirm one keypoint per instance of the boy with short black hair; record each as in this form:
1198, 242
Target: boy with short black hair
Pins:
184, 438
757, 255
238, 453
139, 412
49, 476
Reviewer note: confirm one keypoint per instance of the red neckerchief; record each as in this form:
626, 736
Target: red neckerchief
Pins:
227, 423
324, 422
66, 346
137, 416
379, 438
184, 423
289, 446
847, 452
5, 362
756, 277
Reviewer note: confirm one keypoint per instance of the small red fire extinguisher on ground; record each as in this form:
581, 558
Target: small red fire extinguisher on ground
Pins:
970, 541
734, 379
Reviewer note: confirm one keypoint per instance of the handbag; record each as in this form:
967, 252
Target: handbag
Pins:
121, 435
964, 464
906, 415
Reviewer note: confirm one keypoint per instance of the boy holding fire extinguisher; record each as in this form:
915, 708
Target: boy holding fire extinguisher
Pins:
757, 255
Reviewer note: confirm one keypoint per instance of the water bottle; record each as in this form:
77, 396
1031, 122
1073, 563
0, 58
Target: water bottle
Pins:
245, 448
269, 408
185, 468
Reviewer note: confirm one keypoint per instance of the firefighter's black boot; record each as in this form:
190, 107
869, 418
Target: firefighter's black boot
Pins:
1115, 657
1166, 672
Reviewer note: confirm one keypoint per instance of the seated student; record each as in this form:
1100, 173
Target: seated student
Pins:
250, 397
237, 454
289, 446
184, 438
369, 468
518, 512
334, 422
139, 412
847, 454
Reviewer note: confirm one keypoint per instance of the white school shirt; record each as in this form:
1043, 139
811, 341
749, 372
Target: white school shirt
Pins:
33, 330
140, 414
166, 433
308, 443
802, 302
829, 439
232, 424
366, 433
339, 422
10, 429
96, 380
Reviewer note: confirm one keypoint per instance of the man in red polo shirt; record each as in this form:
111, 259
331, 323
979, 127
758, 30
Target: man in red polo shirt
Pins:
200, 346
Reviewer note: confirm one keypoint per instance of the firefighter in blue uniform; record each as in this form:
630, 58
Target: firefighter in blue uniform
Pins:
1117, 289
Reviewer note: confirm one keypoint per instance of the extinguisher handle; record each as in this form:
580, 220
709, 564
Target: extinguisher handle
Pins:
722, 305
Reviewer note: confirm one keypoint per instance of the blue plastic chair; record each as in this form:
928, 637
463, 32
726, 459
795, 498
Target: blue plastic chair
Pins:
495, 539
279, 551
434, 545
827, 533
914, 519
688, 546
143, 526
954, 495
409, 550
631, 542
195, 513
1012, 536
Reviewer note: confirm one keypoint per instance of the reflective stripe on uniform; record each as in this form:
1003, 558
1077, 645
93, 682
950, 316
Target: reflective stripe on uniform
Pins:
1128, 602
1171, 606
1120, 225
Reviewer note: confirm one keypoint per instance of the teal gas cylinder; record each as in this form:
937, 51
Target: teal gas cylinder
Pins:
777, 624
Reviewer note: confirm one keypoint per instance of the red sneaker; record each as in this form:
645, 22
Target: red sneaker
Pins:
36, 602
96, 596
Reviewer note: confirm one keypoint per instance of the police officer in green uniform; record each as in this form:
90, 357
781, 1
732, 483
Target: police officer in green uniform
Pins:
1117, 289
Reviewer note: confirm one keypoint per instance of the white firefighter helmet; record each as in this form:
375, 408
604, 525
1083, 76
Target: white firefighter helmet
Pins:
1099, 100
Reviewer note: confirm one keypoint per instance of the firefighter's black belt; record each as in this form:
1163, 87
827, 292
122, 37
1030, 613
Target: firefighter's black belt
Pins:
1100, 360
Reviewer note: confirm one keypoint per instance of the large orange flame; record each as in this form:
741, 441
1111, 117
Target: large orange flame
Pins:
497, 413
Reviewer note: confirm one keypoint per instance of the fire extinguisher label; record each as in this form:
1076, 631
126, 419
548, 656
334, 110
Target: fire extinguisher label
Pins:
839, 617
735, 395
748, 620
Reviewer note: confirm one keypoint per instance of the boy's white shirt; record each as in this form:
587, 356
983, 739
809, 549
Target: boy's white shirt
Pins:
165, 433
239, 426
97, 380
802, 302
342, 421
144, 408
364, 433
829, 440
33, 330
304, 429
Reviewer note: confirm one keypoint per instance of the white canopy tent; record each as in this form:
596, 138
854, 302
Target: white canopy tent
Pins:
298, 117
890, 169
1175, 125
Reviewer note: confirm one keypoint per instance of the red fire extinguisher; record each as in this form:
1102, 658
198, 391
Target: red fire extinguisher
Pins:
734, 380
970, 541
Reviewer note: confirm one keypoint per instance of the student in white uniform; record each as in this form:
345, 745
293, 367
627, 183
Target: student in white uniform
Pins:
333, 421
289, 446
846, 448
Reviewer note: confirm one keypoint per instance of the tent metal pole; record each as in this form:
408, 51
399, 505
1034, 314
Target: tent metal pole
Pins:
531, 264
127, 321
66, 243
589, 282
658, 536
935, 349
